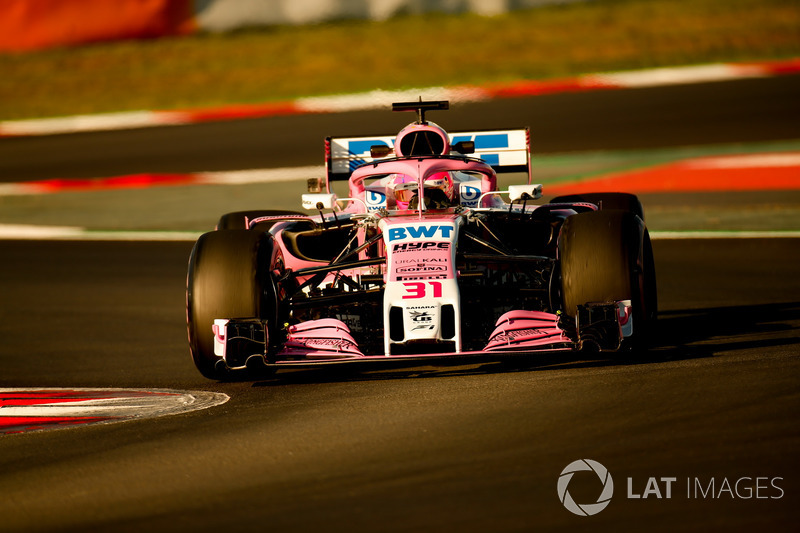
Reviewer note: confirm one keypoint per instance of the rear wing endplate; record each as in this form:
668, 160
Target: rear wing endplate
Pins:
504, 150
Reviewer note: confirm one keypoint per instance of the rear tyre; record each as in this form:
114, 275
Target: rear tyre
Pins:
606, 256
230, 276
606, 201
240, 219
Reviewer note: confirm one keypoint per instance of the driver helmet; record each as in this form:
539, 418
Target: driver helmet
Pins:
439, 188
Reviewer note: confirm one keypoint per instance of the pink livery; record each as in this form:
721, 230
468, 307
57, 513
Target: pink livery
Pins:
423, 256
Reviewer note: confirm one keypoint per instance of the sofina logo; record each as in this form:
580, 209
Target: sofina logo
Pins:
587, 509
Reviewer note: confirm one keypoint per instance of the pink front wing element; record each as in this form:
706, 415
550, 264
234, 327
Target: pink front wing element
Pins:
320, 339
527, 329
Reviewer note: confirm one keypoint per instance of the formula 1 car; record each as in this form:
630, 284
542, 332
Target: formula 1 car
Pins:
425, 257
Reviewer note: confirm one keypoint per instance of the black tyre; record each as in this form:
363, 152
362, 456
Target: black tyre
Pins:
606, 256
238, 219
230, 276
606, 201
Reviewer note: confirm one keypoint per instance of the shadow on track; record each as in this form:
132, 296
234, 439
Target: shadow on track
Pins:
711, 331
680, 335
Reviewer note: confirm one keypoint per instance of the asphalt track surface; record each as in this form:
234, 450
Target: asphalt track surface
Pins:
740, 111
474, 446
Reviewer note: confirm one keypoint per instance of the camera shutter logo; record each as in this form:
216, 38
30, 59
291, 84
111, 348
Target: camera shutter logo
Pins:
587, 509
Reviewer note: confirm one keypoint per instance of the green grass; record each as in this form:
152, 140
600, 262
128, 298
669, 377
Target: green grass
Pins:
287, 62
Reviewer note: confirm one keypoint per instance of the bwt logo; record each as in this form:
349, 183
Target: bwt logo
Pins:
420, 232
469, 195
484, 143
375, 200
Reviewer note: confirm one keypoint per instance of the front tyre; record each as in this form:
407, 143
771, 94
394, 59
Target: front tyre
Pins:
230, 276
606, 256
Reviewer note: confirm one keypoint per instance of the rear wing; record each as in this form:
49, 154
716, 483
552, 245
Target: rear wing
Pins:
504, 150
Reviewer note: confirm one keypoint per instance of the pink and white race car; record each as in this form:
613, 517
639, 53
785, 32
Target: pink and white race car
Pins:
425, 257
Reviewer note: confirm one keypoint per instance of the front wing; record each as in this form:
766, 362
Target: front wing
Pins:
242, 342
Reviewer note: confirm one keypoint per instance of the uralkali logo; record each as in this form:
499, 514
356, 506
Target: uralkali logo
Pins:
587, 509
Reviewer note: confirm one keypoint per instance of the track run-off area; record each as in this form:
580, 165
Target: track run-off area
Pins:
697, 434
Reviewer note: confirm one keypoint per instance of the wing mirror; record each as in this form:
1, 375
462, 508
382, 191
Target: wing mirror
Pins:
524, 192
464, 147
380, 150
318, 201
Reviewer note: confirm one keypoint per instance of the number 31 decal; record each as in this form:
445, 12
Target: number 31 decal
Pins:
419, 289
